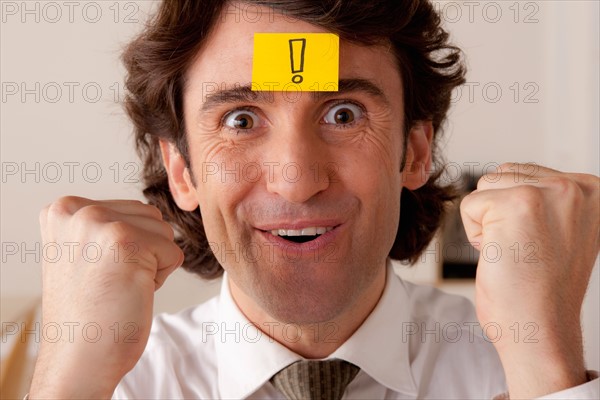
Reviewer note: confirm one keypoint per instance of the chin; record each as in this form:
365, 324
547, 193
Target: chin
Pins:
306, 301
290, 311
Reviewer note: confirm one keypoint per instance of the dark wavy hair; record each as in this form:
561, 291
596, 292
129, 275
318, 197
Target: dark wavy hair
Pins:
157, 60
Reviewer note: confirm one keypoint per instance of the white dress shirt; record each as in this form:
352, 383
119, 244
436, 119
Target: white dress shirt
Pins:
418, 342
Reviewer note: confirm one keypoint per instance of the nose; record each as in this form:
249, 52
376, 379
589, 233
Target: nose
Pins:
299, 165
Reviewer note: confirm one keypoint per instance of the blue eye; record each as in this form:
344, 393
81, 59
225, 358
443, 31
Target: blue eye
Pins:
241, 119
343, 114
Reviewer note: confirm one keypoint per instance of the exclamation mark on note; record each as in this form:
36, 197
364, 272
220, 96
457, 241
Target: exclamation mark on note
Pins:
297, 47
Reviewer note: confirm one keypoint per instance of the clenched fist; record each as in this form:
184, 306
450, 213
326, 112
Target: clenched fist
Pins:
110, 287
538, 232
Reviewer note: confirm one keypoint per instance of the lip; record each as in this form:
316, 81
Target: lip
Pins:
324, 244
324, 223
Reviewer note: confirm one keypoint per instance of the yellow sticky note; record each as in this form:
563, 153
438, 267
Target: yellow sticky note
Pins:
296, 62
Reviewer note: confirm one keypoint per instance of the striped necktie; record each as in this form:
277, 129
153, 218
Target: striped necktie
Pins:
315, 380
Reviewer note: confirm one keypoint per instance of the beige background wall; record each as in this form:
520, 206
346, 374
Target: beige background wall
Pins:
532, 96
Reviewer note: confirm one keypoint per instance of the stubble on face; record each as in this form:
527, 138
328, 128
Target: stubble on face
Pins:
364, 195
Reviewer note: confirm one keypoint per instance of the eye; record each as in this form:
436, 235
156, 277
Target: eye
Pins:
343, 114
241, 119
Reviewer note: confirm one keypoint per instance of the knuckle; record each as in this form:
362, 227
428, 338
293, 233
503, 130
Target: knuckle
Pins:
527, 199
63, 206
590, 182
92, 213
565, 186
118, 232
507, 166
528, 194
484, 181
168, 230
155, 210
466, 202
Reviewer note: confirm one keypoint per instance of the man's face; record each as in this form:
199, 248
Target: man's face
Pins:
274, 164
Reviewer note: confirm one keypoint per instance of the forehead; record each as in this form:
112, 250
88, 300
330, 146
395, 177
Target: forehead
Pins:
226, 57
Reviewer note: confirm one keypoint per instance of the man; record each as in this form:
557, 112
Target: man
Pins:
302, 200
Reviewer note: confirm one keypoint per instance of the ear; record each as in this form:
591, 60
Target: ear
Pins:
180, 182
418, 155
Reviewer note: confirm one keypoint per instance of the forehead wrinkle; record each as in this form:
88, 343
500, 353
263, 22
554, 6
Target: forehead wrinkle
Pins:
355, 85
245, 94
239, 94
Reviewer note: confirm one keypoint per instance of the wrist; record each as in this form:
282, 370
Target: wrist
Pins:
55, 378
535, 369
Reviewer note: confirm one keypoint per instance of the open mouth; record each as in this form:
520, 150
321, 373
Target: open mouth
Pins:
300, 235
300, 239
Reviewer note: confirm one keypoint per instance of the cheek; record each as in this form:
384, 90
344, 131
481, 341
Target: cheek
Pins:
373, 177
222, 181
371, 169
217, 162
367, 177
381, 145
385, 153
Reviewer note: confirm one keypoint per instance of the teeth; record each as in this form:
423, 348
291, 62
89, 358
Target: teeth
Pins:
309, 231
312, 231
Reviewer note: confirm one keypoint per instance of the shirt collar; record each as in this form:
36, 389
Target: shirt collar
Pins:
247, 357
378, 346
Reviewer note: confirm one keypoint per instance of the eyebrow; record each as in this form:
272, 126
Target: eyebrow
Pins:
355, 85
245, 94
